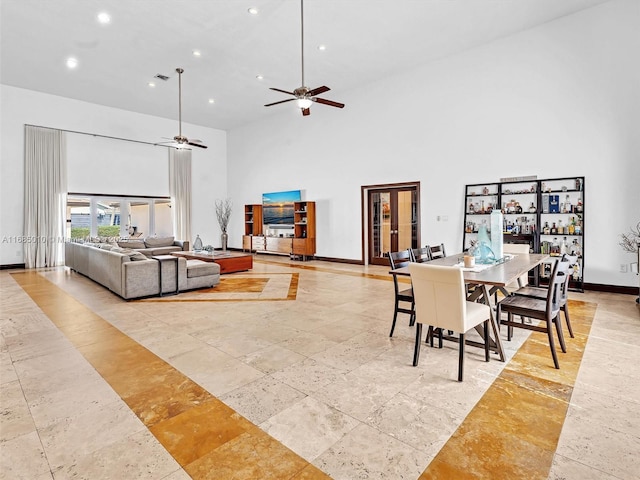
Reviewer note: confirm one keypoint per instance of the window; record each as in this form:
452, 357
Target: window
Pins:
117, 217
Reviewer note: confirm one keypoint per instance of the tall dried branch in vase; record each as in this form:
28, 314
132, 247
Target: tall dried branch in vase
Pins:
631, 241
223, 212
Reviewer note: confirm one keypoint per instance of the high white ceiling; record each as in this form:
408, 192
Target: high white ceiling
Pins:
366, 40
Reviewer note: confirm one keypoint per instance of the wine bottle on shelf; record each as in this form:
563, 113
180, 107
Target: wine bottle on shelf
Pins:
567, 204
564, 248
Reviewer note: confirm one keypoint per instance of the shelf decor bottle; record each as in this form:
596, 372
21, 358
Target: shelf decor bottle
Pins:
497, 239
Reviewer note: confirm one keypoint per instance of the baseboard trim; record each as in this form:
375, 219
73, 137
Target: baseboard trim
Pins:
12, 266
599, 287
339, 260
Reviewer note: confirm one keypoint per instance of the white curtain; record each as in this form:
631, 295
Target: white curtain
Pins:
45, 191
180, 191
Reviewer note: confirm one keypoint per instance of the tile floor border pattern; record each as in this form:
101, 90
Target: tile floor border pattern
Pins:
532, 384
205, 436
522, 413
287, 294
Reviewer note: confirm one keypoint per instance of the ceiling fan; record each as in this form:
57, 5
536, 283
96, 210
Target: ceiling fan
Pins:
303, 95
180, 139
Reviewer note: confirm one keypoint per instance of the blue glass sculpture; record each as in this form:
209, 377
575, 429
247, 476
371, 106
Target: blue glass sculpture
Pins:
484, 254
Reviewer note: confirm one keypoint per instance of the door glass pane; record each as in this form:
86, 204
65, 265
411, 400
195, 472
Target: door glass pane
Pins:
380, 223
79, 212
405, 219
139, 211
163, 223
108, 218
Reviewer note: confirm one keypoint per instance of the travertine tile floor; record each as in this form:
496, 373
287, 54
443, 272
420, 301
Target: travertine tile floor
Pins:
318, 374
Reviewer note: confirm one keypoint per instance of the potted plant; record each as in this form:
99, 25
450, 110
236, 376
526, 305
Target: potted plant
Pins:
223, 212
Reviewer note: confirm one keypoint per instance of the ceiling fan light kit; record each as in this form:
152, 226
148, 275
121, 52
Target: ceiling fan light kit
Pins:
303, 96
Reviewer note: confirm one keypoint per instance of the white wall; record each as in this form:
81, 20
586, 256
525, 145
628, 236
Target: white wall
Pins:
20, 107
558, 100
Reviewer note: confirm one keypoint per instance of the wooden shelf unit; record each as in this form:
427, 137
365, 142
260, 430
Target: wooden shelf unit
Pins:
301, 246
253, 219
304, 239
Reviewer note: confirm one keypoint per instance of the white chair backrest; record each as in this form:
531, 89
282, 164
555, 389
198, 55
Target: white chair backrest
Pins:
440, 296
518, 249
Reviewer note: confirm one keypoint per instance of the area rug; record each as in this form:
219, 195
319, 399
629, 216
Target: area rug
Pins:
241, 287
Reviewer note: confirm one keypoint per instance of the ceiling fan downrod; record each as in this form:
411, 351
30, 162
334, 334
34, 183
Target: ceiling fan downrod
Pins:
180, 71
302, 38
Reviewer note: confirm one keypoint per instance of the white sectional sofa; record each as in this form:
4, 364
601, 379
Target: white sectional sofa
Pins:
131, 274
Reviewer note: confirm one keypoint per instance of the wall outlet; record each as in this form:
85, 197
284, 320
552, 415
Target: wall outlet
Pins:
623, 268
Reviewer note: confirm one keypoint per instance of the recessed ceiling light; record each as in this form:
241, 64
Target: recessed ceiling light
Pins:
151, 84
322, 47
253, 11
259, 77
196, 53
72, 62
211, 100
104, 18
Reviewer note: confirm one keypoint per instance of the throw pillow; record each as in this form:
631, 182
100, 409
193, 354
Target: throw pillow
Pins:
138, 256
135, 244
152, 242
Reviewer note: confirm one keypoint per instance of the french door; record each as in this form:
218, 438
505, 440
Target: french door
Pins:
393, 222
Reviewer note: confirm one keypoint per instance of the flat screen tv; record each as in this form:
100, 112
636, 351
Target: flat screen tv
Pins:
277, 207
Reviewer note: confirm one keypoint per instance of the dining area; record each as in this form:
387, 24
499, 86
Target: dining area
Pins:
468, 300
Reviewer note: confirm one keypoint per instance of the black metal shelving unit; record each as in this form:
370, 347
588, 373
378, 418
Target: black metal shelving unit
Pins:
527, 206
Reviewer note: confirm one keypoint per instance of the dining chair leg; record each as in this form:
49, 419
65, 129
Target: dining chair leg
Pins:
509, 327
416, 351
568, 320
393, 324
461, 358
552, 344
563, 345
440, 334
486, 341
412, 318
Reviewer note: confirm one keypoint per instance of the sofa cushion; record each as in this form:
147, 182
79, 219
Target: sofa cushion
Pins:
137, 256
131, 244
198, 268
151, 242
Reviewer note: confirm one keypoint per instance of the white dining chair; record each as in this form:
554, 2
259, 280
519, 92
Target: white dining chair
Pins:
440, 301
518, 249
